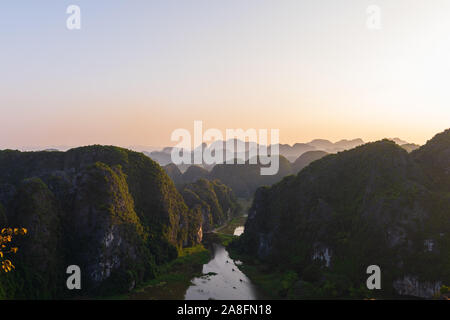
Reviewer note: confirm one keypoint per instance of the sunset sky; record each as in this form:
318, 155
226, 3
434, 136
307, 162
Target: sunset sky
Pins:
137, 70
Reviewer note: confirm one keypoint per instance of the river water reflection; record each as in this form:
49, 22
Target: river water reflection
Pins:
222, 280
238, 231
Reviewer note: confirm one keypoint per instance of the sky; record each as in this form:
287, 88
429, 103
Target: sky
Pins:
138, 70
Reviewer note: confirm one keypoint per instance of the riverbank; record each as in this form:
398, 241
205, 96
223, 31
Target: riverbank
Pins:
174, 279
274, 285
231, 226
222, 279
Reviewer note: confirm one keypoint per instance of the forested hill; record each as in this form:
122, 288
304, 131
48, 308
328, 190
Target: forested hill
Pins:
213, 202
372, 205
113, 212
244, 178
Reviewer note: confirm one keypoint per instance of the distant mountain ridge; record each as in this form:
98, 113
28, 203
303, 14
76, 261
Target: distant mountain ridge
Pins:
244, 179
291, 153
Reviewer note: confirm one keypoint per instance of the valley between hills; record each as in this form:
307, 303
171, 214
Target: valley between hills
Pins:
140, 228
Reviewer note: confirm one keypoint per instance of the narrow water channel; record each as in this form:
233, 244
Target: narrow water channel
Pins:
222, 278
238, 231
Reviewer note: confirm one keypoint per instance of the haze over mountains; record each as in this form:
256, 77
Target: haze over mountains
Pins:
245, 178
291, 153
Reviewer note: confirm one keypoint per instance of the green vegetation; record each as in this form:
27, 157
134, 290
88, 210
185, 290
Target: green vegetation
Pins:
194, 173
225, 234
375, 204
279, 283
118, 215
173, 278
113, 212
39, 262
223, 239
213, 199
274, 285
244, 179
229, 228
174, 173
445, 289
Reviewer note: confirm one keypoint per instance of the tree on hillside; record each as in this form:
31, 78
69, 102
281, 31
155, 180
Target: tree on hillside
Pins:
6, 248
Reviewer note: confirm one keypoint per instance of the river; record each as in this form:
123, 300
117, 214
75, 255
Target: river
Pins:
222, 279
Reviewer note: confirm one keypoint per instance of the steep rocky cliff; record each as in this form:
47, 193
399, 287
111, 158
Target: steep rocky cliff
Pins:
373, 205
213, 199
113, 212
